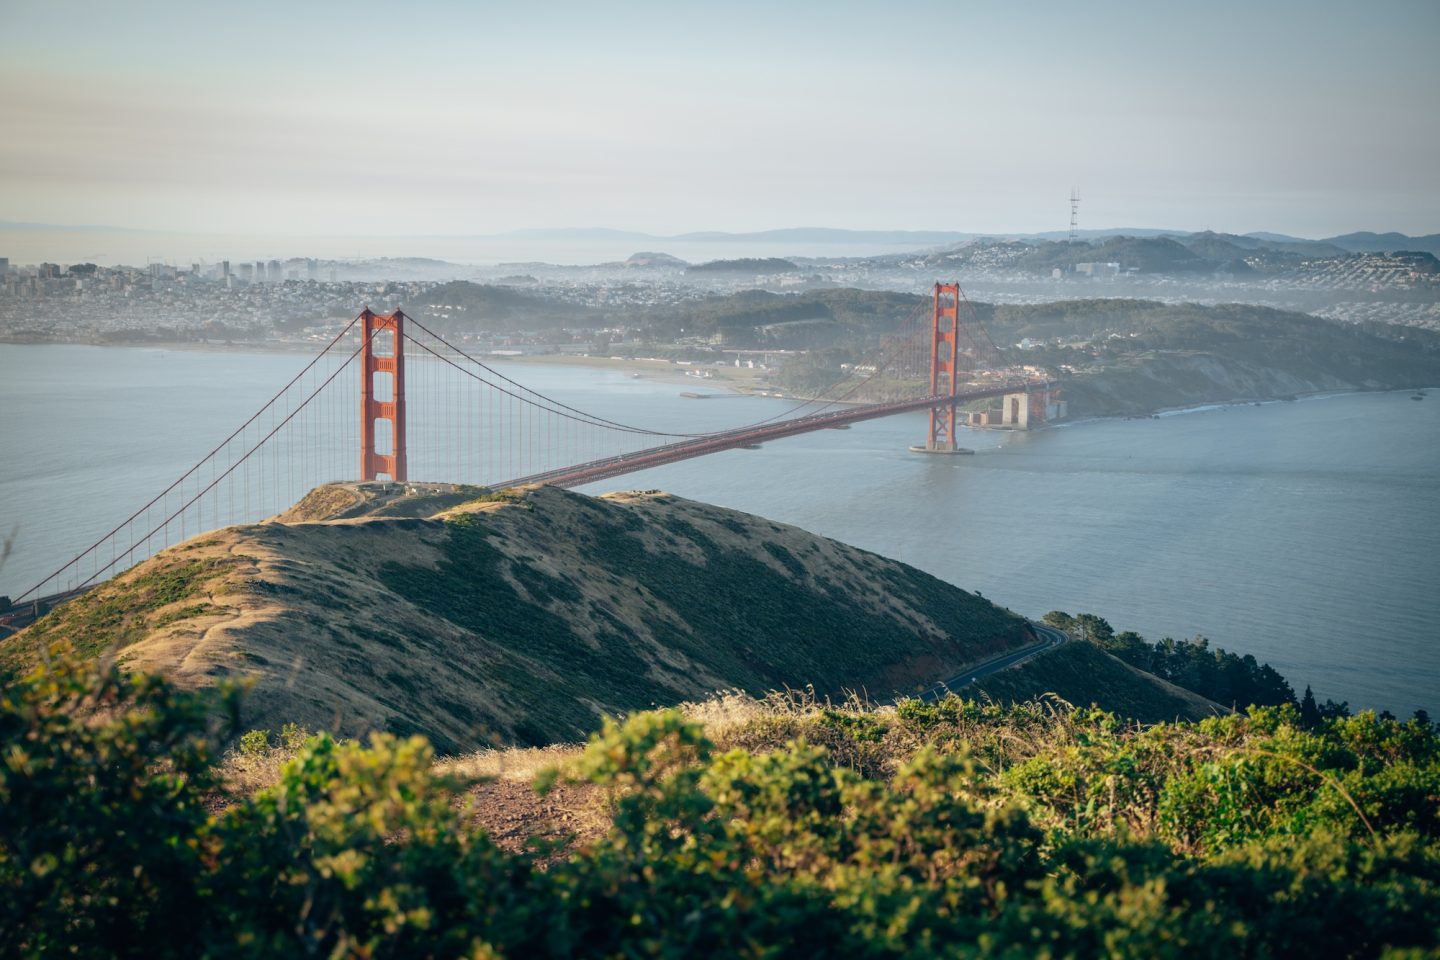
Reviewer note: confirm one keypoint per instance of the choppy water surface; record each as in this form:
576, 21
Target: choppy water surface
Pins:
1305, 533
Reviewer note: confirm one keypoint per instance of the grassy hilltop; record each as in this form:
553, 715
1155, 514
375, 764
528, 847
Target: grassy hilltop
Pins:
524, 617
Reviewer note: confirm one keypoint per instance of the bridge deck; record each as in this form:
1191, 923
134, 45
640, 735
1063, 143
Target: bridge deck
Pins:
609, 467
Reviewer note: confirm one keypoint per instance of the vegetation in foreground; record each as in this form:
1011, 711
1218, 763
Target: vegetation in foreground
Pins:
780, 829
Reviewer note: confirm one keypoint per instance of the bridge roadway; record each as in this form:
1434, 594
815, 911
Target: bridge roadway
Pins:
608, 467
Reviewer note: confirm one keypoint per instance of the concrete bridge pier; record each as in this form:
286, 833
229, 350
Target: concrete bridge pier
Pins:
1015, 411
939, 446
1020, 410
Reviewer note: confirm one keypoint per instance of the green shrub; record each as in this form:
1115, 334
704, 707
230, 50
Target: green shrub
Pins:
254, 743
1026, 831
104, 834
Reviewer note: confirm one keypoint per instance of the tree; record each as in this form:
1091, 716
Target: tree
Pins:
1095, 629
1060, 620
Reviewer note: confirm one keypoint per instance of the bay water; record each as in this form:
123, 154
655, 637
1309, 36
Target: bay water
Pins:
1305, 533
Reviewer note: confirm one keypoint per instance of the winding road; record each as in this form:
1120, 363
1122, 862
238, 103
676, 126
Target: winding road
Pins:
1050, 638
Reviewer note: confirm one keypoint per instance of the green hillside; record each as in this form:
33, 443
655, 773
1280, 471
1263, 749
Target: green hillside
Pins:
1081, 673
522, 618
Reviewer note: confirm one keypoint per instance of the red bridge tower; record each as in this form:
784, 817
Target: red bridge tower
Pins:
944, 369
382, 393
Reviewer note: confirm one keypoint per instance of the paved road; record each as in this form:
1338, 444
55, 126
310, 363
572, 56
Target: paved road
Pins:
1050, 638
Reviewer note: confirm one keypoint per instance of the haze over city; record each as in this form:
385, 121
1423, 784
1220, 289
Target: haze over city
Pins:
333, 119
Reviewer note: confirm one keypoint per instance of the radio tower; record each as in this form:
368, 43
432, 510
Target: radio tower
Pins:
1074, 214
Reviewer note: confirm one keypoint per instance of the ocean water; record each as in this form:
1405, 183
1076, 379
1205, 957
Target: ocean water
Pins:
1306, 533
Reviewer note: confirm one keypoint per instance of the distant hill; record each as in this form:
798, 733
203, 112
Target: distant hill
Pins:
816, 235
1366, 242
1099, 234
1144, 356
1083, 674
462, 306
738, 318
1143, 254
750, 266
1213, 246
646, 259
826, 235
522, 618
1274, 243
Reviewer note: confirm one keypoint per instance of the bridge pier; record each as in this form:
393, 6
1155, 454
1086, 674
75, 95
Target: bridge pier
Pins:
939, 446
1015, 411
1019, 410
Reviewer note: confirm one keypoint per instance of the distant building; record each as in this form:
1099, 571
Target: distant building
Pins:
4, 267
274, 272
312, 269
259, 271
48, 271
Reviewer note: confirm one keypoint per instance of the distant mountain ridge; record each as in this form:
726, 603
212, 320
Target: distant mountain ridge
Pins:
1363, 241
26, 242
1366, 242
1360, 242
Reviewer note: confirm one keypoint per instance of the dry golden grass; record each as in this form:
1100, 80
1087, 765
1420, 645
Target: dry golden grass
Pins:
244, 774
310, 616
516, 763
731, 719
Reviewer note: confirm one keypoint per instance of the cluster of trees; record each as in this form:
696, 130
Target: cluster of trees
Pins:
946, 829
1226, 678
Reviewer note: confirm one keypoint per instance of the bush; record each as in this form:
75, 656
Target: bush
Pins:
1021, 831
104, 833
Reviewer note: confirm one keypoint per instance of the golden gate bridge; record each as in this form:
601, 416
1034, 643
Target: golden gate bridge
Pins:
427, 407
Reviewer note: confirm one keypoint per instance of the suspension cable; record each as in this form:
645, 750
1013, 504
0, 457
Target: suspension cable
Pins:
76, 559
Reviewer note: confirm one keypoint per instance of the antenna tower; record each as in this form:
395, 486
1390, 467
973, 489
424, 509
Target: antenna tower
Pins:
1074, 214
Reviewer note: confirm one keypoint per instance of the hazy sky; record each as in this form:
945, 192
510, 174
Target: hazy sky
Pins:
318, 117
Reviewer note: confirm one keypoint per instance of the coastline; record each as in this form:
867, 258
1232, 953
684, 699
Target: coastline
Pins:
740, 381
1184, 409
724, 381
1297, 398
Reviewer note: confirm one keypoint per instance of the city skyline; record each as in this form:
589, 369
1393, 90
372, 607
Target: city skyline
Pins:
1309, 119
